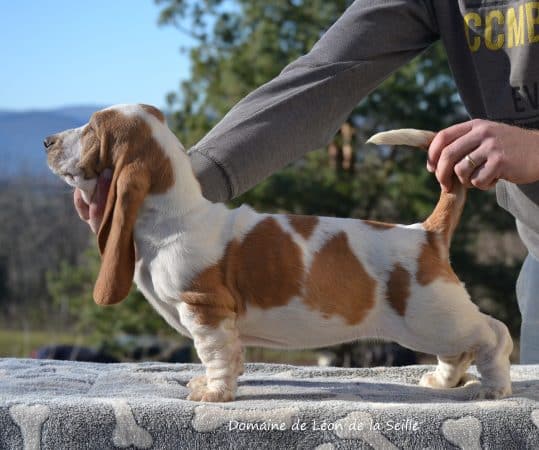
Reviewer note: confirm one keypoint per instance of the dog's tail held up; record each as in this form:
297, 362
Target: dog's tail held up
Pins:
446, 215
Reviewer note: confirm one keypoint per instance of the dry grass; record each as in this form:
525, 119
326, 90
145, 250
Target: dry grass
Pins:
20, 344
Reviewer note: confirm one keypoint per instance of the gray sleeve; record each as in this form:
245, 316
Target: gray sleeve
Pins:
302, 108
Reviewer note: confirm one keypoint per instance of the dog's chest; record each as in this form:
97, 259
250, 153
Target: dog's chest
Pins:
159, 275
162, 274
169, 310
168, 259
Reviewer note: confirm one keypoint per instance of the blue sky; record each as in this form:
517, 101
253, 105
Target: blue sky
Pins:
97, 52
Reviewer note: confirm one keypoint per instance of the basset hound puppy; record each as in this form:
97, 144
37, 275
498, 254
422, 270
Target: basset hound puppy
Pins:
233, 278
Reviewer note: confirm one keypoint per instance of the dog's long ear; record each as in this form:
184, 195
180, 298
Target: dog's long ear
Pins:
129, 187
121, 140
140, 167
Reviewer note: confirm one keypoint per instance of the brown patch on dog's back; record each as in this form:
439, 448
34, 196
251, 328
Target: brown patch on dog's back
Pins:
303, 225
433, 262
154, 112
338, 284
379, 225
266, 268
398, 288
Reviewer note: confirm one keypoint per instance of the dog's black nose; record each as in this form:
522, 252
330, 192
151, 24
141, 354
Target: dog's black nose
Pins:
49, 141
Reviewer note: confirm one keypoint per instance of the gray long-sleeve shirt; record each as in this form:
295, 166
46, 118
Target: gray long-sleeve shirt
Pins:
493, 51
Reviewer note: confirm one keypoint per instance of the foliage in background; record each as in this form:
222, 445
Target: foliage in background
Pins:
38, 229
241, 45
71, 288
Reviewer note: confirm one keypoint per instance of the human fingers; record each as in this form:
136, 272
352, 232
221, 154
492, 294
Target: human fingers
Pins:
468, 165
485, 177
452, 154
81, 206
444, 138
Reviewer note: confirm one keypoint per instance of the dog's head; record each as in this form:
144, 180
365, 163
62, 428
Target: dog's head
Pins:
125, 139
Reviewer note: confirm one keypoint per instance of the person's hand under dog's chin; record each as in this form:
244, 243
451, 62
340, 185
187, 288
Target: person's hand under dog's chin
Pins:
92, 212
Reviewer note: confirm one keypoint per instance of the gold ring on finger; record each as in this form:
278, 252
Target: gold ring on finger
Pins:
471, 162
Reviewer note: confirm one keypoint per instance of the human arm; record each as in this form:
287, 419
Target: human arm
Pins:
302, 108
497, 151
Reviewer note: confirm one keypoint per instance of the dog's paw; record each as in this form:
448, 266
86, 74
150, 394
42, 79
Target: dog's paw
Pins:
493, 393
205, 394
197, 382
433, 380
467, 379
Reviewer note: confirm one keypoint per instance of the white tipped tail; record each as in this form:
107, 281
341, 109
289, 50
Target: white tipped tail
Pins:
404, 136
446, 215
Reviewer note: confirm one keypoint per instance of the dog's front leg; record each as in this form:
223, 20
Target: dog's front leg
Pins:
218, 346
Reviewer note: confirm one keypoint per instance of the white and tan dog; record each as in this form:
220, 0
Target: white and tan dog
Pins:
231, 278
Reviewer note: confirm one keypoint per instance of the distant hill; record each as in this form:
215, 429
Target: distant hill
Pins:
22, 134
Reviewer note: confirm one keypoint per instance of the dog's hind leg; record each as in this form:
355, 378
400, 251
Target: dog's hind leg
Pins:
450, 372
442, 320
492, 361
490, 344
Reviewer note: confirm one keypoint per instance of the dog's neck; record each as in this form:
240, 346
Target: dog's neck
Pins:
186, 195
178, 209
